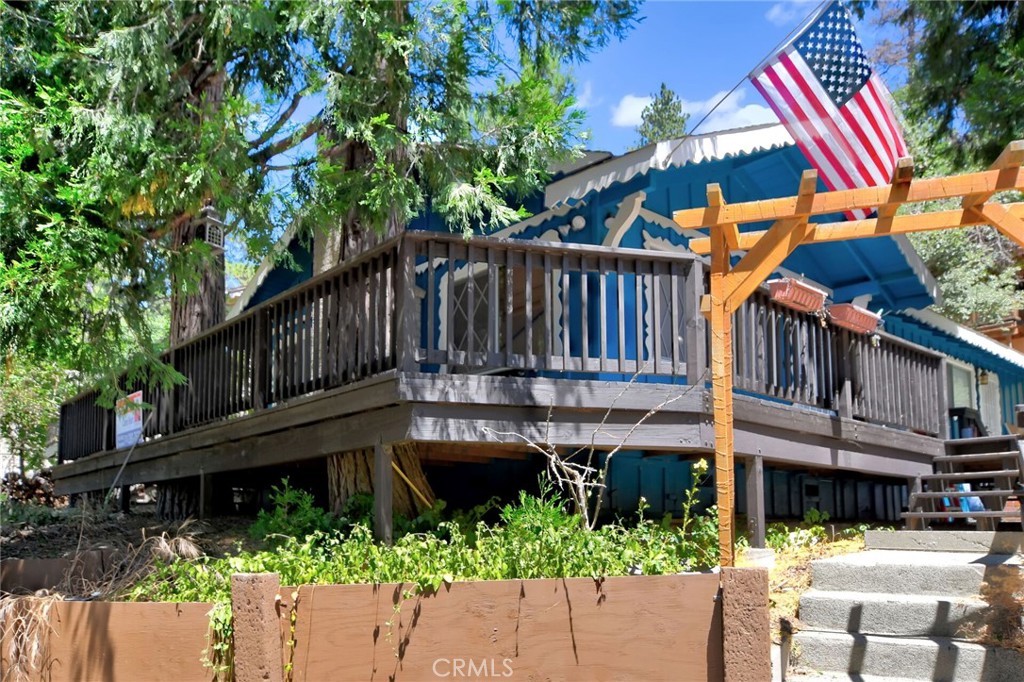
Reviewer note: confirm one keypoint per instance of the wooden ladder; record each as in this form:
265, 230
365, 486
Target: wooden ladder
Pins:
994, 468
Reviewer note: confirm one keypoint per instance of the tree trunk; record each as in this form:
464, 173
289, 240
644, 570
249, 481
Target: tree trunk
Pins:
196, 308
350, 473
178, 500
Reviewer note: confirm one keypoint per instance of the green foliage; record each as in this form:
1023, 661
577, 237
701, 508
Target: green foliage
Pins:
293, 514
30, 398
975, 271
662, 119
15, 513
536, 538
120, 121
966, 73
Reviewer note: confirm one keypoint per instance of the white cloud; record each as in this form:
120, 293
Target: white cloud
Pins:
626, 114
585, 96
730, 113
787, 12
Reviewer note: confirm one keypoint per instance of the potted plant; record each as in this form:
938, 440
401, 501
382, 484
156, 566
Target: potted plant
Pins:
795, 294
854, 318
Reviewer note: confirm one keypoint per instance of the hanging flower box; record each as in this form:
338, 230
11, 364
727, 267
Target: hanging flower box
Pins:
798, 295
854, 318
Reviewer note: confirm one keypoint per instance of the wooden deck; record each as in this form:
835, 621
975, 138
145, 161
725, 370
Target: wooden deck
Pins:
431, 338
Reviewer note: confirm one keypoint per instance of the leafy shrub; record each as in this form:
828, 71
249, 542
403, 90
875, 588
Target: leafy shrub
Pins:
293, 514
16, 513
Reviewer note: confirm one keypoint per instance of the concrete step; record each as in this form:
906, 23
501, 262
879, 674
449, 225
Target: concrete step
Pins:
953, 574
975, 541
891, 614
936, 659
800, 676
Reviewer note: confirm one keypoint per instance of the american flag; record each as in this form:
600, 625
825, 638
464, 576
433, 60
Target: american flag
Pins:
836, 108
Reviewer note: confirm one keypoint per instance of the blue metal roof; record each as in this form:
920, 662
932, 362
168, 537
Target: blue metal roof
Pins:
912, 329
880, 266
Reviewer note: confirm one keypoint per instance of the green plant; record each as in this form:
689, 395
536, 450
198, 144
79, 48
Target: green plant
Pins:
814, 517
293, 514
15, 513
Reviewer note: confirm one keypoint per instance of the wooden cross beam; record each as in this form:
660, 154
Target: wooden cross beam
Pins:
767, 249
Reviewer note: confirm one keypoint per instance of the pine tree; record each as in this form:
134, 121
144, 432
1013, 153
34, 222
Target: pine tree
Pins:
662, 119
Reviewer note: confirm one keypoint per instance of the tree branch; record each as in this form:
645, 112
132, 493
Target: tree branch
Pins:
315, 126
277, 125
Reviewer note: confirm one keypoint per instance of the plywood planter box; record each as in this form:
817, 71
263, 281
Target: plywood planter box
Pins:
854, 318
798, 295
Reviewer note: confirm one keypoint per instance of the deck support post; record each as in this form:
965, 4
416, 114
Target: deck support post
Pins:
383, 486
126, 500
205, 494
721, 389
755, 500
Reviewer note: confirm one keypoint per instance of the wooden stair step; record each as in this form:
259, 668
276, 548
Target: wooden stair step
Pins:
930, 495
977, 457
970, 475
986, 440
988, 514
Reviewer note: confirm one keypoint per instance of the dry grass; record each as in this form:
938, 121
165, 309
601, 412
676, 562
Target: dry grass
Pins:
1003, 622
25, 622
26, 635
790, 577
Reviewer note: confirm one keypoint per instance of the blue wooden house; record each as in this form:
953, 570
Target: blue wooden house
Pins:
568, 328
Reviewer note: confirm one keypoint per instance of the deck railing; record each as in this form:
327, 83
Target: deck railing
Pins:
439, 303
793, 356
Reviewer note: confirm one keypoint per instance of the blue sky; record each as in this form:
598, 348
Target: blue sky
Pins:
700, 49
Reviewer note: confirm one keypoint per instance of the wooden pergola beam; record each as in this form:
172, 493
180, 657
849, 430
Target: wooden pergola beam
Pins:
869, 227
731, 232
1008, 222
1008, 162
897, 194
841, 201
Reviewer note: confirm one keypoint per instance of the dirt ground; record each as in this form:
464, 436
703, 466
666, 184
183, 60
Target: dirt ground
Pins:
75, 530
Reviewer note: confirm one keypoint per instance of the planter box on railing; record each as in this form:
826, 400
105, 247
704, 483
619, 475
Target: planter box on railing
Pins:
854, 318
798, 295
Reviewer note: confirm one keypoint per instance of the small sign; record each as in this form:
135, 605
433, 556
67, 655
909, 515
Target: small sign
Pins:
129, 420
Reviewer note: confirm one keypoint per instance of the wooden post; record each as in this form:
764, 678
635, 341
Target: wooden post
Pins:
407, 331
205, 494
943, 400
257, 626
383, 482
126, 500
721, 387
755, 500
696, 341
260, 359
